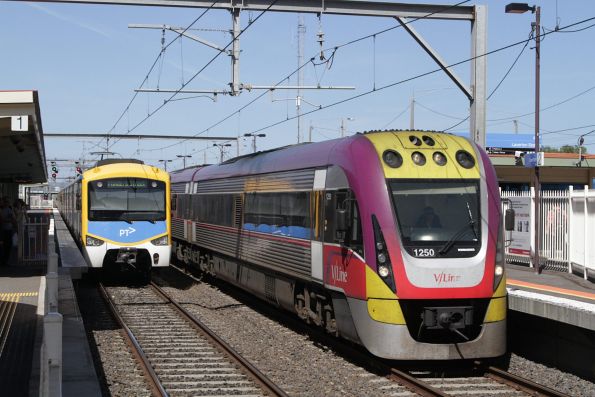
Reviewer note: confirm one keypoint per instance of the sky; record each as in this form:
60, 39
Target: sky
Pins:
86, 62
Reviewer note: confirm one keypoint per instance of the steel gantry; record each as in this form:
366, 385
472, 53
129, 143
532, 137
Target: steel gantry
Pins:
476, 15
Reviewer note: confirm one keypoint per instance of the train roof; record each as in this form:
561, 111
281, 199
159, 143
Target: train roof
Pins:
117, 161
300, 156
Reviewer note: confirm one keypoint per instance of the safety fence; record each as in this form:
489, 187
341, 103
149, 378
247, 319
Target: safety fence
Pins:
32, 237
567, 223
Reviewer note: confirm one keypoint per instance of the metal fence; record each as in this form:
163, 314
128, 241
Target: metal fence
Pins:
567, 219
33, 237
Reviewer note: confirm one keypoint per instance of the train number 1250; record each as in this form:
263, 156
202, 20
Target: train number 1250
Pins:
424, 252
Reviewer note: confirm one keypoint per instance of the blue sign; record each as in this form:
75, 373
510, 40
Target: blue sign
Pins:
124, 232
508, 141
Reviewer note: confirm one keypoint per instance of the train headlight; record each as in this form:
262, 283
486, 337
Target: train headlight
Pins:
500, 260
383, 263
465, 159
93, 242
392, 159
163, 240
418, 158
439, 158
428, 141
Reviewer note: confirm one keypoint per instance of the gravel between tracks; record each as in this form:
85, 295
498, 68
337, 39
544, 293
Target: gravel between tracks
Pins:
116, 368
304, 368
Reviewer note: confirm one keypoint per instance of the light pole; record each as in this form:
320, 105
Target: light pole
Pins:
165, 163
343, 125
221, 147
520, 8
254, 136
183, 157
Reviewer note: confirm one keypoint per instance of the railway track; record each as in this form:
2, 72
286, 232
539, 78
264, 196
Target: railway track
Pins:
477, 380
179, 355
493, 382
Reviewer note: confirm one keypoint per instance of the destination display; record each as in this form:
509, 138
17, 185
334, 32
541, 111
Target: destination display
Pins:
125, 183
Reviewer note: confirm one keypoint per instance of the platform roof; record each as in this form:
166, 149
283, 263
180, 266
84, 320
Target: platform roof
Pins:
22, 152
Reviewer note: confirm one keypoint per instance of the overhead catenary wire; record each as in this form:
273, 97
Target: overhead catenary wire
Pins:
322, 107
127, 107
414, 77
166, 101
328, 62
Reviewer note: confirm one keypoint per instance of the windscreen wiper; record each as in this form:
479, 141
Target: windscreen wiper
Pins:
446, 247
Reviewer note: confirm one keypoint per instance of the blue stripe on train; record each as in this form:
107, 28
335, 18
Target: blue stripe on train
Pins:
124, 232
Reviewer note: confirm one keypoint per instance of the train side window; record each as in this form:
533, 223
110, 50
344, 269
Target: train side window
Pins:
174, 202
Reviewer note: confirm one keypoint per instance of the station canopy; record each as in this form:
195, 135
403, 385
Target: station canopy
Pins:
22, 153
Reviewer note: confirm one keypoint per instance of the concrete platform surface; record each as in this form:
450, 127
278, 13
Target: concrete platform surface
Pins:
558, 296
22, 291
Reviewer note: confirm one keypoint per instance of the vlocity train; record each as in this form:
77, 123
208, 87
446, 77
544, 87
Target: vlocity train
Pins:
119, 211
390, 239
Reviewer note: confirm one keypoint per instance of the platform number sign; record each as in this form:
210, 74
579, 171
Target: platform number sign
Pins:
19, 123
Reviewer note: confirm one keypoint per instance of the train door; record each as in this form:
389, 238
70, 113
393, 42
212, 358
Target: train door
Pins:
344, 265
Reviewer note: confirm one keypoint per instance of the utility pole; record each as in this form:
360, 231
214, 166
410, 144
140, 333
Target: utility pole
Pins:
301, 30
537, 182
183, 157
519, 8
165, 163
516, 126
254, 136
412, 112
221, 147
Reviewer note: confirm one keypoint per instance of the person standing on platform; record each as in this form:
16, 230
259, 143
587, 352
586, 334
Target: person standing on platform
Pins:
8, 227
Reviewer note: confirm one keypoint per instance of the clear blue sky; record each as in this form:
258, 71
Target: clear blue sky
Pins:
85, 62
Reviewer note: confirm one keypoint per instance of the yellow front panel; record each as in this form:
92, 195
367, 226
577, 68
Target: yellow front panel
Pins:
445, 143
497, 307
123, 170
386, 311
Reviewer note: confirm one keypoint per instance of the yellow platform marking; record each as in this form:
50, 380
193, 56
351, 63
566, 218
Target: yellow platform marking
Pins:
547, 288
8, 295
8, 306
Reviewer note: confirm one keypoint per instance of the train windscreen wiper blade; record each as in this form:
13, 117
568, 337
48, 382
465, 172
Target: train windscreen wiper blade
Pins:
446, 247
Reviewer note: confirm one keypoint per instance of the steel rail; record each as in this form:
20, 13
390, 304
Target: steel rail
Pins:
154, 382
520, 383
415, 385
409, 382
267, 385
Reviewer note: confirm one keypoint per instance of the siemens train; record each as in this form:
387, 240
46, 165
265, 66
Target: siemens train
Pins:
390, 239
119, 211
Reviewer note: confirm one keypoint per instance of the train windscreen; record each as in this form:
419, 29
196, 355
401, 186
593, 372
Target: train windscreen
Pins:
438, 217
126, 199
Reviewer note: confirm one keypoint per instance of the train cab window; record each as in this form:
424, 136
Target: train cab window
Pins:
126, 199
438, 218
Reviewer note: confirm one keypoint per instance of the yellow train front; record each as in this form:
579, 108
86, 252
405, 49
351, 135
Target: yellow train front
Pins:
120, 212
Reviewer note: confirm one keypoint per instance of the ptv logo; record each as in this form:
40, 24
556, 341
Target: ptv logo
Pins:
127, 232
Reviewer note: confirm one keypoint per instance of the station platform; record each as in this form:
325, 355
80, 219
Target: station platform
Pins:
556, 296
22, 306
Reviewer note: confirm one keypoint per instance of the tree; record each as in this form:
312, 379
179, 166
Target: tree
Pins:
564, 149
